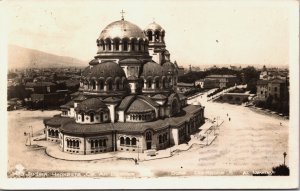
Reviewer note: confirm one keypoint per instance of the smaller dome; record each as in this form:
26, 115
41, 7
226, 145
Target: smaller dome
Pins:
169, 68
139, 106
152, 69
153, 26
79, 98
159, 97
105, 70
94, 62
92, 104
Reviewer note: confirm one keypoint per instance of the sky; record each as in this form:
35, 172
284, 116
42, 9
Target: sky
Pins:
197, 32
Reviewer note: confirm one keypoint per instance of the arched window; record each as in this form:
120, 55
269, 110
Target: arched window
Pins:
56, 133
82, 117
127, 140
101, 85
140, 45
160, 139
92, 144
117, 43
148, 136
156, 34
100, 143
77, 144
96, 143
125, 45
132, 44
49, 133
101, 116
117, 85
68, 143
92, 117
104, 143
94, 84
109, 85
164, 82
122, 141
149, 82
133, 141
109, 44
157, 83
149, 34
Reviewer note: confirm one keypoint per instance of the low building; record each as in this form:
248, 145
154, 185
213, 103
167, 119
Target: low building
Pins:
180, 71
224, 80
277, 88
184, 87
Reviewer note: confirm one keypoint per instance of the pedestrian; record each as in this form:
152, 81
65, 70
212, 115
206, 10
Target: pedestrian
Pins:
227, 114
280, 124
135, 161
229, 118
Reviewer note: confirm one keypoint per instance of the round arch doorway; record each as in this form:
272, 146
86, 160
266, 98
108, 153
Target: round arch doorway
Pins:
148, 140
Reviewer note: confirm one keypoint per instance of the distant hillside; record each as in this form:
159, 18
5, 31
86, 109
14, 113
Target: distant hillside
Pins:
19, 57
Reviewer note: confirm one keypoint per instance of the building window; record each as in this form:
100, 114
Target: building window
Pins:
133, 141
117, 45
148, 136
101, 84
92, 117
82, 117
122, 141
149, 83
127, 140
160, 139
94, 84
275, 89
132, 46
125, 46
149, 34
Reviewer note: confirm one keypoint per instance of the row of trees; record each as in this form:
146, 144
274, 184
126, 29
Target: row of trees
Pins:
248, 75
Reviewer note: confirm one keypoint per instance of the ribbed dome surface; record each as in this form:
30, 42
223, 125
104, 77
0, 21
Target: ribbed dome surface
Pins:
122, 29
152, 69
92, 104
153, 26
105, 70
168, 68
139, 106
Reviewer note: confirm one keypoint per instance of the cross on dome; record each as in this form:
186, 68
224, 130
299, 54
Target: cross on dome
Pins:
122, 14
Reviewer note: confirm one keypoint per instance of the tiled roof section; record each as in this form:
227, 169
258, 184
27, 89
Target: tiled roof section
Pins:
80, 97
159, 97
76, 128
262, 82
106, 69
125, 102
112, 100
92, 104
68, 105
149, 100
277, 81
139, 106
192, 109
129, 127
57, 121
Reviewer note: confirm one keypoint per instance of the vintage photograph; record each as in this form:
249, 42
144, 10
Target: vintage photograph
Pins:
152, 90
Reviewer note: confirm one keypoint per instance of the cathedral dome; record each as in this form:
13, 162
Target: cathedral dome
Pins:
105, 70
152, 69
122, 29
153, 26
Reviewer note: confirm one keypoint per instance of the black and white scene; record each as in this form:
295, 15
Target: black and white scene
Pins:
152, 89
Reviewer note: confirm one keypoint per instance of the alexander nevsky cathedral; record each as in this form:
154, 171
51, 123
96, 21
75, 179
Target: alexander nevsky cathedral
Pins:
127, 97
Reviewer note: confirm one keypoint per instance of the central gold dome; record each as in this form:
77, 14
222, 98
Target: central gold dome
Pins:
122, 29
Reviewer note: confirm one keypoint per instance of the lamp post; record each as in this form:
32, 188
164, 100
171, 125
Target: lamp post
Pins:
284, 155
31, 130
138, 158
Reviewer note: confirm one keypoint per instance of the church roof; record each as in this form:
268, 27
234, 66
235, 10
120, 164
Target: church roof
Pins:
130, 61
80, 97
92, 104
105, 70
121, 29
152, 69
153, 26
159, 97
139, 106
68, 105
57, 121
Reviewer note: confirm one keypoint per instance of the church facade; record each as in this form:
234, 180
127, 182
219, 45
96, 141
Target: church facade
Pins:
128, 100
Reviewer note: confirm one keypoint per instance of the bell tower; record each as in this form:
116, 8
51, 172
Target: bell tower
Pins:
156, 37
